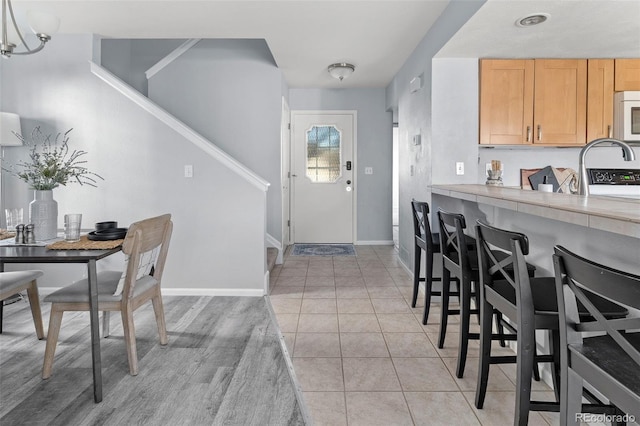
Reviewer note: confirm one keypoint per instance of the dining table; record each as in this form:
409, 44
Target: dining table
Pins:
33, 254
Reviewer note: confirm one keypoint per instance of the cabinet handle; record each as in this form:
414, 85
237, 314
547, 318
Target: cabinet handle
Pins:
609, 132
539, 132
528, 133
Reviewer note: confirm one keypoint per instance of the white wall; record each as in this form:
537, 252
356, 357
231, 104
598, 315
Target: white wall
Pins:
374, 149
230, 91
219, 222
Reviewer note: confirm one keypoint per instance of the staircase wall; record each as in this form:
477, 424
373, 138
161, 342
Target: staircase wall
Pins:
230, 91
219, 219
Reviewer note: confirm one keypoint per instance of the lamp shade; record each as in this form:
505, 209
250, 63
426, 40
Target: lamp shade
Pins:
9, 123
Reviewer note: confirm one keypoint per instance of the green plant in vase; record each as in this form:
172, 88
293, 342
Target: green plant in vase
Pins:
51, 164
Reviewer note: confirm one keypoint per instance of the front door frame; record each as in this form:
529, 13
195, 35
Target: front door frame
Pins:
354, 210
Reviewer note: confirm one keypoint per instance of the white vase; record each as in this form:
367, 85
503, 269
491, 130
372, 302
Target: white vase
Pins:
43, 213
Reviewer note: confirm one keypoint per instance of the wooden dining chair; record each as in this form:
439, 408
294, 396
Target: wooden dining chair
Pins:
13, 283
603, 352
145, 247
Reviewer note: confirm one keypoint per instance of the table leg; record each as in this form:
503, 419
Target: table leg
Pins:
95, 330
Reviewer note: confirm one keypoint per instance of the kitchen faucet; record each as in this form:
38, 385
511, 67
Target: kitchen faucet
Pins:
627, 155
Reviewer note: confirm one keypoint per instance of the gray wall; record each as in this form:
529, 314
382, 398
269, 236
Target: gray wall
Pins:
219, 220
374, 149
130, 59
230, 91
414, 116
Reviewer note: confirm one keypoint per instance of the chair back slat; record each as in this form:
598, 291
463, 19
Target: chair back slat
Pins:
452, 240
142, 237
512, 268
574, 275
421, 226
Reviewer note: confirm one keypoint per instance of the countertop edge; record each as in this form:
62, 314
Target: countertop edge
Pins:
610, 214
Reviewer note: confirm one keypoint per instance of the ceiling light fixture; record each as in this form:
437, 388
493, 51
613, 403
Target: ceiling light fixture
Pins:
42, 24
533, 19
341, 70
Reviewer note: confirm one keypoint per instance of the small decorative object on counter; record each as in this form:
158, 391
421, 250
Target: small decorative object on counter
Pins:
495, 174
29, 234
20, 234
545, 186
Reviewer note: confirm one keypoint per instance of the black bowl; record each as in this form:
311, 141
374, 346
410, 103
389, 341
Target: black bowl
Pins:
107, 234
100, 226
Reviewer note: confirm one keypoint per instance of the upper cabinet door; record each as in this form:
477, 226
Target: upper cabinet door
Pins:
560, 102
506, 101
599, 99
627, 74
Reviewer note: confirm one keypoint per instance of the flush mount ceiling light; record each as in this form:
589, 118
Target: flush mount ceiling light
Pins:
42, 24
341, 70
533, 19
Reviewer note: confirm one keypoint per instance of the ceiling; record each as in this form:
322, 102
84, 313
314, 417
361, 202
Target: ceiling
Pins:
377, 36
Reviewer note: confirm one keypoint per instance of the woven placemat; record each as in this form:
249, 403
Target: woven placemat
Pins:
85, 244
6, 234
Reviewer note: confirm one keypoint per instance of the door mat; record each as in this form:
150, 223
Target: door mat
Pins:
323, 250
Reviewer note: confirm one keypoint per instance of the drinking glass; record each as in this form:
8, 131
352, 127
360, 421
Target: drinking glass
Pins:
72, 224
14, 218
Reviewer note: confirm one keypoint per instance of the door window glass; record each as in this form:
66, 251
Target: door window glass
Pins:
323, 154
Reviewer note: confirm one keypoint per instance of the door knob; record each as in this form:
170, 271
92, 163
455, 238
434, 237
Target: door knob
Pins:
348, 182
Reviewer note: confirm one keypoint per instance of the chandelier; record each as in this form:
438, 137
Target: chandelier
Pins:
42, 24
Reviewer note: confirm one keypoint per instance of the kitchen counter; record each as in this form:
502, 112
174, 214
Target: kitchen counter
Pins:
611, 214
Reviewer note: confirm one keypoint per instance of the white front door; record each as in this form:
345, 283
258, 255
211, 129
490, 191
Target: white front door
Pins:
323, 170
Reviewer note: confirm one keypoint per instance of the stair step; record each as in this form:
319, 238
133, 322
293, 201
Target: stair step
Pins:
272, 254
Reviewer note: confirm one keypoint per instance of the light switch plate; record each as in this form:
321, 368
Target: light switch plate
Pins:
459, 168
188, 170
368, 170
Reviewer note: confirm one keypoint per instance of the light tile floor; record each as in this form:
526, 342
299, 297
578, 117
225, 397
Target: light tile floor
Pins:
363, 357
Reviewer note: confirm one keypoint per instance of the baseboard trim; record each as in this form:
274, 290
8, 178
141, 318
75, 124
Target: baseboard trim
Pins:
243, 292
375, 243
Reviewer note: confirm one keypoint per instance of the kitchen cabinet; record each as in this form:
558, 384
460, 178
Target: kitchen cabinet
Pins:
560, 101
627, 75
600, 83
506, 101
533, 102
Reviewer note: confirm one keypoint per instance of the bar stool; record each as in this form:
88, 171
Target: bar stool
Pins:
458, 260
430, 243
530, 303
610, 362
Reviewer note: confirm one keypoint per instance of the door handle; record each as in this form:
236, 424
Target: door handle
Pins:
348, 182
348, 165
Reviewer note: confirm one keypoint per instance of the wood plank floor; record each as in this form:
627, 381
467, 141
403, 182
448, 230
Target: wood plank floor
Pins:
224, 365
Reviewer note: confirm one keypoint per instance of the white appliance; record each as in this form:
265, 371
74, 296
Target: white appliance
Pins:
623, 183
626, 116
